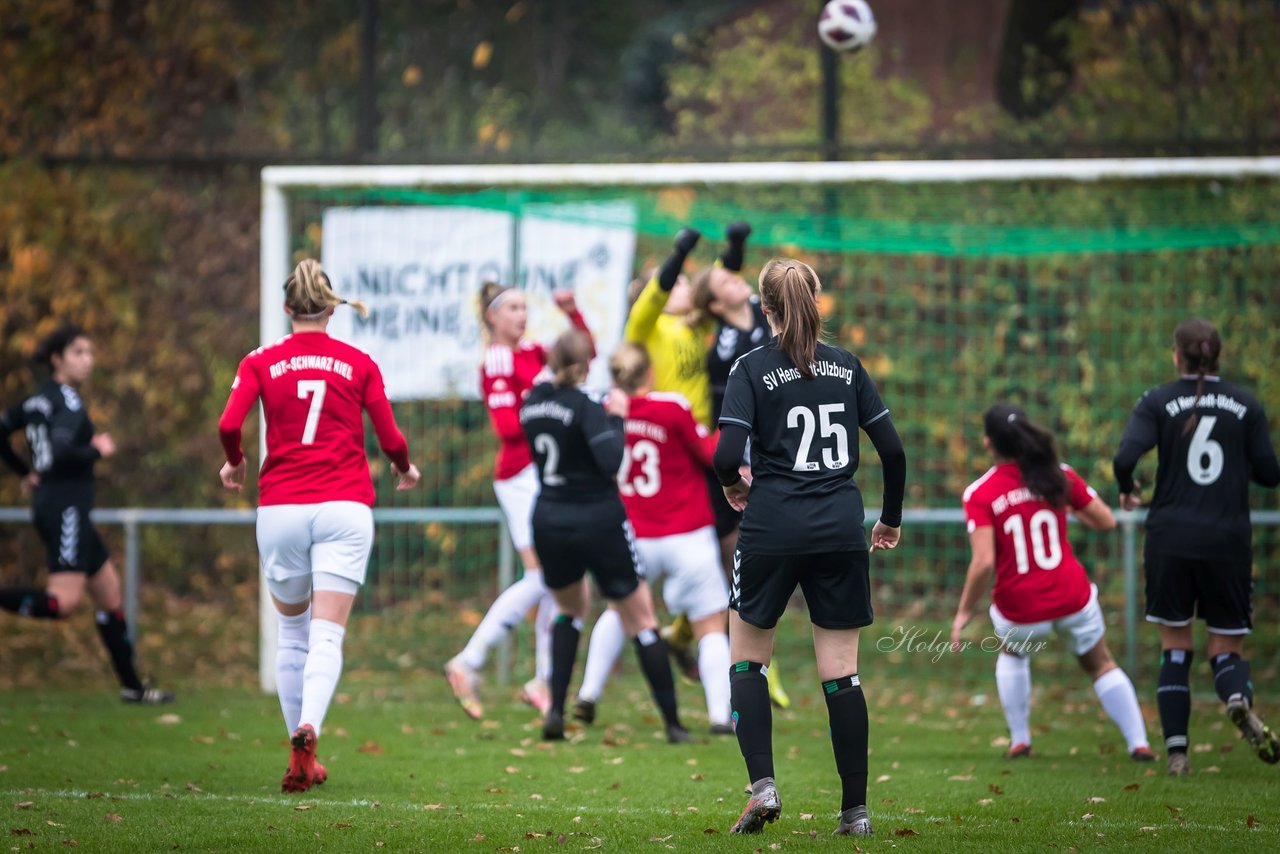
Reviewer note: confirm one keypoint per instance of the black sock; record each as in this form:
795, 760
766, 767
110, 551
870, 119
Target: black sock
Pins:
847, 711
115, 637
565, 634
652, 652
752, 717
1231, 677
1173, 697
29, 602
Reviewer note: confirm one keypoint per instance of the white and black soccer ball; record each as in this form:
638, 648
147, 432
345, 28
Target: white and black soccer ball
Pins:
847, 25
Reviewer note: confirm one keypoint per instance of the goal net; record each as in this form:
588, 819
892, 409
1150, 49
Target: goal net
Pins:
1052, 284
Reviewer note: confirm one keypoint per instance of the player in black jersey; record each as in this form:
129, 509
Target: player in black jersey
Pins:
1212, 439
802, 402
580, 525
63, 449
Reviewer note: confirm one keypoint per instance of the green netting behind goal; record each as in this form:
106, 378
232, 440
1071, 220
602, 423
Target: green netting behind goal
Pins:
1059, 296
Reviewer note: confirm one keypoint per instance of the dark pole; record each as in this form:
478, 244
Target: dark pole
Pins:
367, 140
830, 104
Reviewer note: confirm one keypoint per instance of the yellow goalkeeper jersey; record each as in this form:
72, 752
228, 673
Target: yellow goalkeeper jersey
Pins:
678, 351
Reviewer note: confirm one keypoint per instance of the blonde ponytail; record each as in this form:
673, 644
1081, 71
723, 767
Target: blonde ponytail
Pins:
629, 366
570, 358
308, 293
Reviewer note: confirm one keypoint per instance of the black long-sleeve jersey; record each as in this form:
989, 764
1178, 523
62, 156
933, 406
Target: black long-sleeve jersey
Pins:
804, 450
58, 431
1200, 507
731, 344
577, 447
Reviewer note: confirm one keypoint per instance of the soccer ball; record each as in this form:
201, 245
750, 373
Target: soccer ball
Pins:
846, 24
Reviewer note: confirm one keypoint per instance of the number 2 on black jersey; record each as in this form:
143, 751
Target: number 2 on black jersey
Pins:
803, 418
545, 444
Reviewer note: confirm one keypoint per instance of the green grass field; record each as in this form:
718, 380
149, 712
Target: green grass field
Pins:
408, 772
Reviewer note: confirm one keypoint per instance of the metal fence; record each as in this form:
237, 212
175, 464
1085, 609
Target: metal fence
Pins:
134, 518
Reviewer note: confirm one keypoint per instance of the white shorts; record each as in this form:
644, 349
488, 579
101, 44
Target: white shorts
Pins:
516, 496
694, 583
1082, 630
296, 541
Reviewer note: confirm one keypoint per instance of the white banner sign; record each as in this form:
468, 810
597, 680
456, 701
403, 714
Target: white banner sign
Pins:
419, 270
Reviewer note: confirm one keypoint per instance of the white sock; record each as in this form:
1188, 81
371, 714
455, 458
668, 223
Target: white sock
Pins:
291, 658
607, 640
547, 611
505, 613
324, 666
1013, 683
713, 664
1115, 691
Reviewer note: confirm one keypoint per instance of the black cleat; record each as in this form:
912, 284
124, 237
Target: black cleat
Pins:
1258, 734
722, 729
146, 696
553, 726
585, 711
677, 734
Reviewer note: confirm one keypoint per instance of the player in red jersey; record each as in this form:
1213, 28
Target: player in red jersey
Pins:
1017, 519
665, 470
510, 368
315, 525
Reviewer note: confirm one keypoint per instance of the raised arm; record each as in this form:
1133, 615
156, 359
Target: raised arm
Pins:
653, 299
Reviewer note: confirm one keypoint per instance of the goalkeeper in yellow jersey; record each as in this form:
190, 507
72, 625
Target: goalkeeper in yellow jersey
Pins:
677, 336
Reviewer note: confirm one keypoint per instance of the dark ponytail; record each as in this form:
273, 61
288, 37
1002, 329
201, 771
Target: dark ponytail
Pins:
1198, 346
57, 341
789, 290
1032, 447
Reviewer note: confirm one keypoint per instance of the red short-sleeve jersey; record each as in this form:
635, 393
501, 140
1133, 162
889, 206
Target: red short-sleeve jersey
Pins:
663, 480
314, 390
1037, 575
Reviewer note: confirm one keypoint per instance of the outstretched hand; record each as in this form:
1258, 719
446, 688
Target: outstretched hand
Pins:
565, 301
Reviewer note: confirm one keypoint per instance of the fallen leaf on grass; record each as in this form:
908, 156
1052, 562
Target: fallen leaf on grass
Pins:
1147, 827
914, 811
905, 831
806, 816
986, 801
1203, 747
535, 797
479, 837
192, 787
994, 789
561, 839
495, 791
511, 769
883, 778
70, 843
24, 805
516, 751
710, 831
1094, 799
697, 776
93, 796
960, 778
370, 747
1212, 769
51, 823
1086, 816
170, 718
1251, 821
302, 807
342, 825
659, 838
433, 806
202, 739
112, 817
22, 831
529, 834
576, 769
1132, 787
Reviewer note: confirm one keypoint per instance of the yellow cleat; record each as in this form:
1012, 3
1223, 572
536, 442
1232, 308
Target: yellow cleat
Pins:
777, 693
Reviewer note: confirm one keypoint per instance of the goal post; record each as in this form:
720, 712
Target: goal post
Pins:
1052, 283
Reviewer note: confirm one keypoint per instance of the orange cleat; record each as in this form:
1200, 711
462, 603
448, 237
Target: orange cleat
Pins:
301, 774
1021, 750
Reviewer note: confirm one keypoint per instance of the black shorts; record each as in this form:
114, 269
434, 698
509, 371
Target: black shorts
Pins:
574, 539
727, 519
1220, 592
836, 585
70, 540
